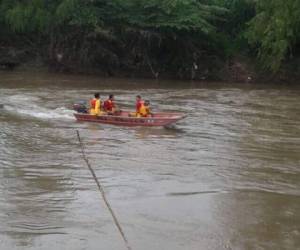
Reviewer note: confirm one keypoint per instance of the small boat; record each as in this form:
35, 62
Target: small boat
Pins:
123, 118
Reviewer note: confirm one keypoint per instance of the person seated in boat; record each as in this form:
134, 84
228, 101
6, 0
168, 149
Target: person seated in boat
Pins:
95, 105
144, 110
138, 104
139, 107
110, 105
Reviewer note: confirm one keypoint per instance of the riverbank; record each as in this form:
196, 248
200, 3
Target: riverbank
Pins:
240, 69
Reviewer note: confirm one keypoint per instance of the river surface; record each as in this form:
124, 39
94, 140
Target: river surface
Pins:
226, 177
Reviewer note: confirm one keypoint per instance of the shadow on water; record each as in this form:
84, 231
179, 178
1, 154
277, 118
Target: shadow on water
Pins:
159, 132
175, 128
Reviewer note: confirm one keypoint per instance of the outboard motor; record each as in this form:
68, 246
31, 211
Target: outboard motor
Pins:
80, 107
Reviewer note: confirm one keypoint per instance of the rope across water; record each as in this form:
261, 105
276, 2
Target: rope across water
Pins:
115, 219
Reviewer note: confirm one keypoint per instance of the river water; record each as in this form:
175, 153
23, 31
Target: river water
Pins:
226, 177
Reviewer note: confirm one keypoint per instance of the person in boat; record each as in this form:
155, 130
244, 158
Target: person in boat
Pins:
95, 105
110, 106
138, 104
145, 110
140, 109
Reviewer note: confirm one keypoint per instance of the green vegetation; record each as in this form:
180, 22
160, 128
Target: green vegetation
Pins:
182, 38
275, 30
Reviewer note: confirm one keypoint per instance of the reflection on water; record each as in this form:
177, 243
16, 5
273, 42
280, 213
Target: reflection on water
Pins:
226, 177
153, 132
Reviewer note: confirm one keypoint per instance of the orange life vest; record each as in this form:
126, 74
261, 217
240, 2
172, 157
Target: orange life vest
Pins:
93, 103
138, 105
108, 105
144, 111
95, 107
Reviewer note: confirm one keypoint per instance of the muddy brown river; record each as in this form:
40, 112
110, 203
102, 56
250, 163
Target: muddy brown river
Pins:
226, 177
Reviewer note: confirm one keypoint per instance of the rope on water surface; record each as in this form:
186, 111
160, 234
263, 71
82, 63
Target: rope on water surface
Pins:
115, 219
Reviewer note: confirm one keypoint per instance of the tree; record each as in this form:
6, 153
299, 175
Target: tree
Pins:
274, 31
169, 35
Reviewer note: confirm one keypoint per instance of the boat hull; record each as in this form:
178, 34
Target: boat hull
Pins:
158, 119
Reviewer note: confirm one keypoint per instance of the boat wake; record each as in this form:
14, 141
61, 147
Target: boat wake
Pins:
31, 106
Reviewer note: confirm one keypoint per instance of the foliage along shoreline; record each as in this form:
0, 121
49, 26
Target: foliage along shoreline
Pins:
229, 40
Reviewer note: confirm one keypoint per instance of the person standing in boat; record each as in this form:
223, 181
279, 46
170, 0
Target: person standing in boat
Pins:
95, 105
109, 105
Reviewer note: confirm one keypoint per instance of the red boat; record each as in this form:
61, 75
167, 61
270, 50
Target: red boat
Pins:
124, 119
